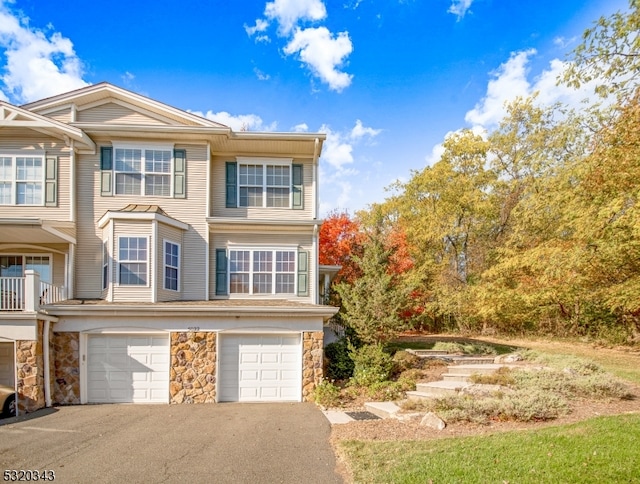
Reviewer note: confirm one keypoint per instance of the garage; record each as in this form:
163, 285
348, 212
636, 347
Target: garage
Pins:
7, 364
128, 368
260, 368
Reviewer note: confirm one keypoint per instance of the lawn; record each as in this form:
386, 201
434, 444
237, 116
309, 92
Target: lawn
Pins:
604, 449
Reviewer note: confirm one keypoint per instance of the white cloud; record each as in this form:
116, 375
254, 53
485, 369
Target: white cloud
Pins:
301, 128
360, 131
510, 80
288, 13
323, 53
336, 149
37, 65
261, 75
460, 7
242, 122
260, 26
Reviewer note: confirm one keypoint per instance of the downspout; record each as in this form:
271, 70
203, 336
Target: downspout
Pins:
47, 366
314, 279
72, 182
153, 272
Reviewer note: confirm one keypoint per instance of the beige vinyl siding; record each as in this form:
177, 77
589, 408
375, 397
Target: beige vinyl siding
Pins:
224, 240
170, 234
112, 113
11, 139
129, 228
218, 196
57, 260
190, 210
63, 115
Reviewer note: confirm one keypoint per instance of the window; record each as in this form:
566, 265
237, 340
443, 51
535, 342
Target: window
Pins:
262, 271
21, 180
171, 266
15, 265
105, 264
274, 183
132, 261
140, 171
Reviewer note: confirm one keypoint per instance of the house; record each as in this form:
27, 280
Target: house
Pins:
149, 255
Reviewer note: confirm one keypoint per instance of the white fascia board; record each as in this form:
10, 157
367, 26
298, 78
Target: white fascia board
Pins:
264, 159
278, 136
107, 217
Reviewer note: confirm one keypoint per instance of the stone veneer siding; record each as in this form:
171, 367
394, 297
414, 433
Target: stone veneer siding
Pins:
65, 368
193, 367
30, 370
312, 359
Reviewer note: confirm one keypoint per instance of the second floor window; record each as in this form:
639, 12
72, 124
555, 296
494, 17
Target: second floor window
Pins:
21, 180
142, 172
264, 185
132, 261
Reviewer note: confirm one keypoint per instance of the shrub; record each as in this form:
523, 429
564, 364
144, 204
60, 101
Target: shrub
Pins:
386, 390
327, 394
502, 376
371, 365
340, 366
403, 360
465, 348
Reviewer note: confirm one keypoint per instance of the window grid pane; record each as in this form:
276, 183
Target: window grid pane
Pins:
278, 176
5, 193
157, 161
277, 197
128, 184
40, 264
29, 193
159, 185
171, 269
129, 160
132, 260
6, 169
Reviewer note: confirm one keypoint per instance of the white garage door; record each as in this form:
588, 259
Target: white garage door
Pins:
260, 368
7, 375
128, 369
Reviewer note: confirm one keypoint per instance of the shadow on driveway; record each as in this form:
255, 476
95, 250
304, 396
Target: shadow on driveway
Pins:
257, 443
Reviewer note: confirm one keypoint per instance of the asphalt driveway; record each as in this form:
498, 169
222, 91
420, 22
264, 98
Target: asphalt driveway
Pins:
257, 443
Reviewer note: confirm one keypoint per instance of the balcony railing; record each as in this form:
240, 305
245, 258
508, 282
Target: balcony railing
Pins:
28, 293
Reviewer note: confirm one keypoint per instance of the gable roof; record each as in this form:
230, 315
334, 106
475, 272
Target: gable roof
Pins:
14, 117
105, 92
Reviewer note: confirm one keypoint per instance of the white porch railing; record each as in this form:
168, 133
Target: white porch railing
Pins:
28, 293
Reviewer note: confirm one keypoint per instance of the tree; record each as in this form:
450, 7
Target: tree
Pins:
609, 55
340, 240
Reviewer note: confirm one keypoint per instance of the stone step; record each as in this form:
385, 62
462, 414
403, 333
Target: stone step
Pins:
429, 352
416, 395
470, 360
382, 409
463, 377
440, 388
484, 368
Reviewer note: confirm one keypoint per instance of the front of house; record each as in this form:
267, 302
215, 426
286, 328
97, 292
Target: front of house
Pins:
148, 255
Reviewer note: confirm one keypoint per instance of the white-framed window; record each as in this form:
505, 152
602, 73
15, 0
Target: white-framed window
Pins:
105, 264
171, 266
264, 184
133, 261
262, 271
15, 265
22, 179
143, 170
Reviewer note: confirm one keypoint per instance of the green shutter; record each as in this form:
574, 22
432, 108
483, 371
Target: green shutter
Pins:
303, 273
221, 272
106, 171
51, 182
232, 184
179, 174
297, 187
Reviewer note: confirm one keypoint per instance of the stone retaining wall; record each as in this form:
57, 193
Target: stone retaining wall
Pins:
312, 358
193, 367
65, 385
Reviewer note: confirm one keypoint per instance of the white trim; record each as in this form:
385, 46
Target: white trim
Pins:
263, 160
111, 238
153, 273
73, 202
273, 250
314, 181
118, 261
82, 357
207, 237
143, 145
117, 215
179, 267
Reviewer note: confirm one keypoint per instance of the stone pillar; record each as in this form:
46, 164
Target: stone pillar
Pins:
30, 371
192, 376
312, 357
65, 385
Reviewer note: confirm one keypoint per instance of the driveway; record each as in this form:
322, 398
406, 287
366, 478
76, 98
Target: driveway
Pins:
257, 443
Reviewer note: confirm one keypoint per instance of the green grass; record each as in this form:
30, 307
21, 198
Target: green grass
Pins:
599, 450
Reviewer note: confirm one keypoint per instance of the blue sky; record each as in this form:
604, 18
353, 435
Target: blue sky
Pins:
385, 80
